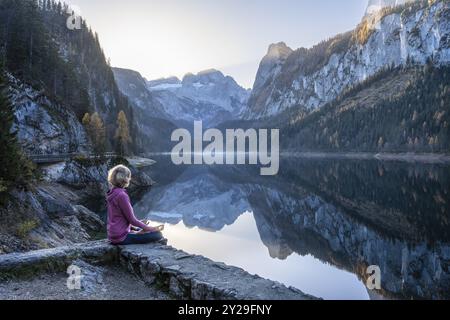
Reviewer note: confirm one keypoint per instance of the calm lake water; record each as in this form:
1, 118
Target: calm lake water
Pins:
316, 226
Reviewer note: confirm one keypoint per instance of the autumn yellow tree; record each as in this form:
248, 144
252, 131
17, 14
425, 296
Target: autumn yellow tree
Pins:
87, 124
122, 133
96, 132
86, 120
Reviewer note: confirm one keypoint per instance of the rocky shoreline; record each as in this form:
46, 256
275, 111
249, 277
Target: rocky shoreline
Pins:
62, 208
174, 273
35, 254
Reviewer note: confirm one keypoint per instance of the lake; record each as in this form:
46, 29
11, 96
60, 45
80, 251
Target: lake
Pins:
317, 226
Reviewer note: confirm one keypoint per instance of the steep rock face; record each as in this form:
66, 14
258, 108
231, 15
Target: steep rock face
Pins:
269, 68
309, 78
134, 86
45, 217
209, 96
271, 64
152, 123
66, 66
44, 127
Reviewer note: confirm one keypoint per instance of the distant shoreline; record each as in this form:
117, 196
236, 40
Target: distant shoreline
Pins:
404, 157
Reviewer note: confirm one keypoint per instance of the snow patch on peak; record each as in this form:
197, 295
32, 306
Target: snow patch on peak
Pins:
164, 84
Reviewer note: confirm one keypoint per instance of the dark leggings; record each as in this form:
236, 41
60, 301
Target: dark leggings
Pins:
142, 238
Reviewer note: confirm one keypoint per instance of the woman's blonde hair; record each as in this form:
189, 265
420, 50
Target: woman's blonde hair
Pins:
119, 176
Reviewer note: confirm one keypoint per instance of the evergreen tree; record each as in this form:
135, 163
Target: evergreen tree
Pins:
38, 49
415, 119
15, 170
122, 133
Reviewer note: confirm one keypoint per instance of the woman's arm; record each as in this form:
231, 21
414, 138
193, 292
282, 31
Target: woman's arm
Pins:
127, 210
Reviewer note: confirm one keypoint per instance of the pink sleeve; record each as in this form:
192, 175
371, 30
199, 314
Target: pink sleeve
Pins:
127, 210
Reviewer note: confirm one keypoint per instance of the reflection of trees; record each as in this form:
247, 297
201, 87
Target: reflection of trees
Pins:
367, 213
394, 197
309, 225
350, 214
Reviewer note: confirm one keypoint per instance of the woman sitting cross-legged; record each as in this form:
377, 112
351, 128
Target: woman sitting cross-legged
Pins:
123, 226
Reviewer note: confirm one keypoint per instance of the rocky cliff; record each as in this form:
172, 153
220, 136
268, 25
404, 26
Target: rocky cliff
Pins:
309, 78
44, 126
134, 86
46, 216
57, 210
153, 125
57, 75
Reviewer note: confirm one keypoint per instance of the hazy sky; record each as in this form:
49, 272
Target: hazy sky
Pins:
160, 38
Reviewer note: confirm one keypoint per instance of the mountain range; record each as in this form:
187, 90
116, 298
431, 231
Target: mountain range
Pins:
314, 94
208, 96
383, 86
307, 79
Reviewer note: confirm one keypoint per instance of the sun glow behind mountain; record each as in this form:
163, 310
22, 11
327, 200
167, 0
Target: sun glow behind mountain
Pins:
160, 38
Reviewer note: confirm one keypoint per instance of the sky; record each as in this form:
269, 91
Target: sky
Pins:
162, 38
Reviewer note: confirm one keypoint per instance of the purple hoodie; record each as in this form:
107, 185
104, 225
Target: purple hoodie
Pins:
121, 216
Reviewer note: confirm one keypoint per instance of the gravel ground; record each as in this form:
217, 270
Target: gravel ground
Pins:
99, 283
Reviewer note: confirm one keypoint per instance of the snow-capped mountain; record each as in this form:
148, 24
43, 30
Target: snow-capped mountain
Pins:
309, 78
164, 83
209, 96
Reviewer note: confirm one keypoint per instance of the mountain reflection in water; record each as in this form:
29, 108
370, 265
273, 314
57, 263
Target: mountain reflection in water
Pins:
317, 226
